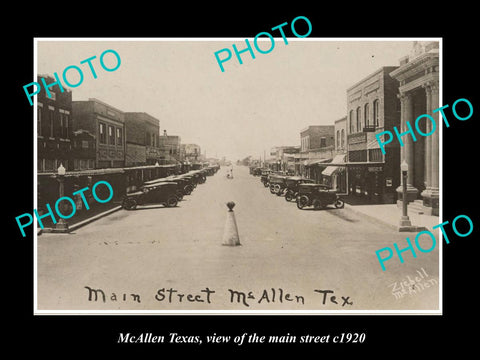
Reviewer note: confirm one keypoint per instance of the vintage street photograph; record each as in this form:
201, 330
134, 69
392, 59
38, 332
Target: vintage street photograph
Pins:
237, 176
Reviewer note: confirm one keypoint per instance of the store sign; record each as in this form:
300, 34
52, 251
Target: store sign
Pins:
374, 169
357, 138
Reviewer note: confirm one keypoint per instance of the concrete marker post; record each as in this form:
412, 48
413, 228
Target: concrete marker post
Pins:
230, 234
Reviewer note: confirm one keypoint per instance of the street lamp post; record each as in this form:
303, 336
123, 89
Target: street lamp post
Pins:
405, 223
62, 224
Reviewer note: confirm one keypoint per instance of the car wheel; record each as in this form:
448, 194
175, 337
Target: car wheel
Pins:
317, 204
272, 189
188, 189
265, 184
179, 195
129, 204
172, 201
339, 203
302, 201
288, 196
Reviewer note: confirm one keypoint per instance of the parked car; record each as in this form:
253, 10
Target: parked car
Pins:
158, 193
264, 177
292, 183
182, 187
318, 196
277, 184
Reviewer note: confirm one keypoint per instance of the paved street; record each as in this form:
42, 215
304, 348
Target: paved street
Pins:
293, 251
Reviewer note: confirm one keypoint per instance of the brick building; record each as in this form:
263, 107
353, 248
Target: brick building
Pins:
142, 143
170, 149
317, 146
373, 107
83, 150
335, 176
54, 128
107, 124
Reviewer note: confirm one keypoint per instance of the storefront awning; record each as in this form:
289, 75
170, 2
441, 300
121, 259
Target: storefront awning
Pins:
337, 160
312, 162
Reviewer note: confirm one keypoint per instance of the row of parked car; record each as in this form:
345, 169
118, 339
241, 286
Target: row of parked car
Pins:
299, 189
167, 191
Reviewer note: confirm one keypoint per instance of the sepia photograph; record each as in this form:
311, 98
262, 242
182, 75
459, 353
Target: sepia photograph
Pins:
265, 175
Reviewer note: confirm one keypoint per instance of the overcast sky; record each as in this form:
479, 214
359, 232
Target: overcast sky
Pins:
243, 111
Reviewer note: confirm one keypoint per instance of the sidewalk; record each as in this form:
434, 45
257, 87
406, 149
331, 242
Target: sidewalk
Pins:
84, 217
389, 214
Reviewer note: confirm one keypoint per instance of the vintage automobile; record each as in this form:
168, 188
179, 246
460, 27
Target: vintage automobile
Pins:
183, 188
158, 193
190, 181
318, 196
257, 171
198, 176
264, 177
277, 184
292, 183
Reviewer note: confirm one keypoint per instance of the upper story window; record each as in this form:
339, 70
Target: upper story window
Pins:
323, 142
103, 133
367, 114
119, 136
352, 128
343, 138
111, 135
39, 120
376, 113
359, 118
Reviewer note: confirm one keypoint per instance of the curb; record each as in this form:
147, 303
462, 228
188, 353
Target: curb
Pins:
82, 223
370, 217
93, 218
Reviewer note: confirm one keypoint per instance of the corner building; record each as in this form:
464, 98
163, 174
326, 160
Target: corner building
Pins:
418, 76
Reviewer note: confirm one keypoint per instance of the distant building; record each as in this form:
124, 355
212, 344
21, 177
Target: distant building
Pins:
317, 147
107, 124
54, 128
191, 152
142, 143
283, 158
335, 176
170, 149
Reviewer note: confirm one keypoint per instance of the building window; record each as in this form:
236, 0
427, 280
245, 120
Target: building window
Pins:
39, 121
343, 138
375, 113
119, 136
49, 165
375, 155
338, 139
51, 115
103, 133
351, 122
66, 125
367, 114
359, 119
323, 142
111, 135
60, 130
84, 144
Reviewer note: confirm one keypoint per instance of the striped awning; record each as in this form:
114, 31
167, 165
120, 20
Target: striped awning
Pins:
330, 170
